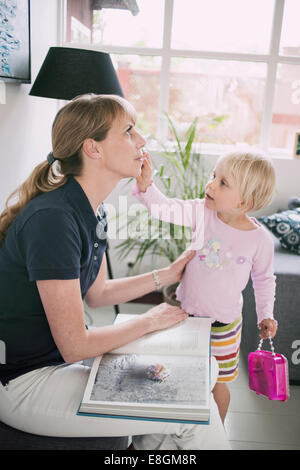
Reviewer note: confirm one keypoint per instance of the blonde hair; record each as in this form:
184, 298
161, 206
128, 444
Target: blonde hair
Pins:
254, 173
86, 116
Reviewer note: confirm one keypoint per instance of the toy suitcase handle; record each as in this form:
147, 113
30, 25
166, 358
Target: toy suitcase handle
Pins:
271, 344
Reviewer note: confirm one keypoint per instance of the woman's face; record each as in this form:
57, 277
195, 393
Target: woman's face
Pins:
121, 149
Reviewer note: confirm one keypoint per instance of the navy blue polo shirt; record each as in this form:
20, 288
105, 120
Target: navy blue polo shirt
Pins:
56, 236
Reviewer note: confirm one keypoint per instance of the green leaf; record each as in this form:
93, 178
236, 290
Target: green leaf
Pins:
173, 128
191, 132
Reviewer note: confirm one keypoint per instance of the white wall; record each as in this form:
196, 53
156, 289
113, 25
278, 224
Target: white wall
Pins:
288, 181
25, 121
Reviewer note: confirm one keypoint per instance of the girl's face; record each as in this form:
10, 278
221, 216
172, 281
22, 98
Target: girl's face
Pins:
121, 149
222, 192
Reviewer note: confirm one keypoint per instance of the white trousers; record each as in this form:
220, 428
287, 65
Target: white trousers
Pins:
45, 402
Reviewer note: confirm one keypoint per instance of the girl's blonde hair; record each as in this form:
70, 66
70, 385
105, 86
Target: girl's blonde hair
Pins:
254, 173
86, 116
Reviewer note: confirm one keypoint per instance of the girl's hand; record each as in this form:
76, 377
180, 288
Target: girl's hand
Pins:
145, 178
174, 272
268, 327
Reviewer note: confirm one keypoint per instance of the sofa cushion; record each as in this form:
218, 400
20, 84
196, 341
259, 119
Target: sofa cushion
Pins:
285, 261
286, 227
14, 439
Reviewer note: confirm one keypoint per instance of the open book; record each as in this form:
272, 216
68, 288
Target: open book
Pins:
162, 376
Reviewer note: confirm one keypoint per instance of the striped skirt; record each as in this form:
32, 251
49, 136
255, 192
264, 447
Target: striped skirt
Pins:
225, 346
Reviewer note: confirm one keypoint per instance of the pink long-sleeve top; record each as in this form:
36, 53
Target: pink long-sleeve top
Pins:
214, 279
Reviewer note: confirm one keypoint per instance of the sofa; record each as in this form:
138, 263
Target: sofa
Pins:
286, 312
13, 439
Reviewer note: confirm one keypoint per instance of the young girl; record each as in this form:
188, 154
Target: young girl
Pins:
230, 246
52, 246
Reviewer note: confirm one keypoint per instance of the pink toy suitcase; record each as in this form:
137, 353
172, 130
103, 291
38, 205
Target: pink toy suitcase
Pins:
268, 373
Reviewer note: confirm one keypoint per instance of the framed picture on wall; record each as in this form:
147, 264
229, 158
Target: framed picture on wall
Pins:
297, 145
15, 65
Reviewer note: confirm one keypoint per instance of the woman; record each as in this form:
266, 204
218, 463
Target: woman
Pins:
51, 253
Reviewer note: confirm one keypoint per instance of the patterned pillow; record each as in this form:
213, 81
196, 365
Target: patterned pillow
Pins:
286, 227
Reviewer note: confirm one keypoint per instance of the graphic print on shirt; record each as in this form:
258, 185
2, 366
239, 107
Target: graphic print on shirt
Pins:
210, 255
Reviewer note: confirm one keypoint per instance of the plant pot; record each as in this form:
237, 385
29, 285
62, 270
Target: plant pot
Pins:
169, 293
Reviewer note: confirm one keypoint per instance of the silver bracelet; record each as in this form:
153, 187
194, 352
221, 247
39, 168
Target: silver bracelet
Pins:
156, 279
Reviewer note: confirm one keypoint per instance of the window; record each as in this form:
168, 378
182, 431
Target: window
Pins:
227, 26
231, 63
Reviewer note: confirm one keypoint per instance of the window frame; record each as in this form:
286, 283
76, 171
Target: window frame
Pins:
272, 59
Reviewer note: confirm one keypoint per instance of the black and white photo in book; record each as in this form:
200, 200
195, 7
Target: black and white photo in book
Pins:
164, 375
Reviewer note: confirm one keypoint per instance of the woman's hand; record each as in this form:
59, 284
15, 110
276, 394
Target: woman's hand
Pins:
145, 179
174, 272
163, 316
268, 327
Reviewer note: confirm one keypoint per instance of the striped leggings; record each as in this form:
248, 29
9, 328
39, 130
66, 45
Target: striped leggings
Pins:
225, 347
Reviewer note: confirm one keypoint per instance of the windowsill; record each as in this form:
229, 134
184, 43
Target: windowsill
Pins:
216, 150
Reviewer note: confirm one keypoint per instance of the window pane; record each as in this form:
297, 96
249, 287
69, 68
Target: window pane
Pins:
286, 109
218, 25
226, 95
114, 26
140, 81
290, 36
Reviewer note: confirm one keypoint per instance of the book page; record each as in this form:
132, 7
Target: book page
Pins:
190, 337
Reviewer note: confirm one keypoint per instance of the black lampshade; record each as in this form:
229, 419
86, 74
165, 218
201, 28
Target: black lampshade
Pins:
68, 72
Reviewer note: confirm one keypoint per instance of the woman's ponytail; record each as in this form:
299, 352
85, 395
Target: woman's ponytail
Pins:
42, 179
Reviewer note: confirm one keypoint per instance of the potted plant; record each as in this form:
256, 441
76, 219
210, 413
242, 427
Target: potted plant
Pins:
181, 175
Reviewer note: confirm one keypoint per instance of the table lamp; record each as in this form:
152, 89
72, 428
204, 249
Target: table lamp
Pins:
68, 72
